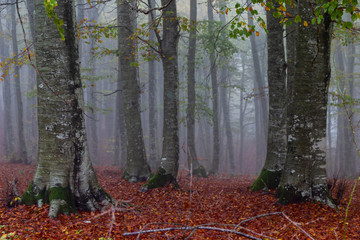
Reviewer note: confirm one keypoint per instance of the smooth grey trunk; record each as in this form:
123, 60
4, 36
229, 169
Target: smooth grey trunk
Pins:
91, 118
136, 168
243, 106
168, 45
215, 102
9, 139
260, 102
276, 142
304, 175
22, 154
30, 8
153, 138
225, 103
64, 175
192, 160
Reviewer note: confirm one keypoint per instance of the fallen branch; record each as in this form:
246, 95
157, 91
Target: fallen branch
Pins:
297, 225
192, 229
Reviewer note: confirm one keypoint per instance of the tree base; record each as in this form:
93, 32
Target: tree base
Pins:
200, 172
266, 180
158, 180
63, 201
134, 179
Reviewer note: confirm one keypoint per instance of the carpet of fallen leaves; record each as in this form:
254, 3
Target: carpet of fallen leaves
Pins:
221, 202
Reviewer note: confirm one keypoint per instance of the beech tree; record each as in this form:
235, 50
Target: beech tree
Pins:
137, 168
276, 142
168, 45
64, 175
304, 175
193, 162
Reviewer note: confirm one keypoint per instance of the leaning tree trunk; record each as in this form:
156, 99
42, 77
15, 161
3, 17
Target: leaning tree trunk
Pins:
137, 168
193, 162
215, 102
304, 175
276, 144
23, 158
64, 175
169, 164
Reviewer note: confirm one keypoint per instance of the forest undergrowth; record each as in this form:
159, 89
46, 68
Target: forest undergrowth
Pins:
218, 207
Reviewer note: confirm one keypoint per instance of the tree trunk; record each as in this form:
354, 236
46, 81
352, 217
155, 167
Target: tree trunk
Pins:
260, 101
9, 140
215, 104
23, 158
137, 168
192, 160
304, 175
276, 143
168, 48
153, 146
64, 175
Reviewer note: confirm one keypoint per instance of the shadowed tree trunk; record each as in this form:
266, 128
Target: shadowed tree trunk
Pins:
23, 158
192, 160
304, 175
136, 168
169, 164
64, 175
276, 143
215, 102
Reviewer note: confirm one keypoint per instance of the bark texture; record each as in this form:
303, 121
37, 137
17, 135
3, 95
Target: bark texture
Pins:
136, 168
304, 175
168, 49
277, 142
64, 175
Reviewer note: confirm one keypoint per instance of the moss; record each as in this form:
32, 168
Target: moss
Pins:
160, 179
200, 171
31, 196
266, 180
63, 193
288, 194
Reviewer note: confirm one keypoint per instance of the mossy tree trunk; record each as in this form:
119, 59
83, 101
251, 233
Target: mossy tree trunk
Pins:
276, 143
304, 175
64, 175
192, 160
169, 163
137, 168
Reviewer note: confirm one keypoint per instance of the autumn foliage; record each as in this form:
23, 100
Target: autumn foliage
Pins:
209, 207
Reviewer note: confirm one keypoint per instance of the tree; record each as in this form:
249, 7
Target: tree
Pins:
137, 169
215, 102
304, 175
168, 44
276, 143
23, 158
193, 162
64, 175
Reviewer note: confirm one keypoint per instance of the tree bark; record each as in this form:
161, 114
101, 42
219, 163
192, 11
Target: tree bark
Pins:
169, 164
276, 143
64, 175
23, 158
215, 102
304, 175
192, 160
137, 168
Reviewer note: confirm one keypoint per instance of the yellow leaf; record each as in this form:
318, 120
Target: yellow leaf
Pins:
306, 23
257, 33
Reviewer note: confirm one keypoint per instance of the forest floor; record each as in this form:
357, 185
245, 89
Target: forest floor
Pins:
218, 207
